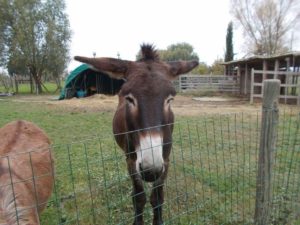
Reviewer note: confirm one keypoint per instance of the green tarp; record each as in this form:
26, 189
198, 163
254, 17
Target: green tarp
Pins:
83, 81
70, 77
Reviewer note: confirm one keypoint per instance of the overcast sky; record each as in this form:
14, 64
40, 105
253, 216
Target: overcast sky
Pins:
109, 27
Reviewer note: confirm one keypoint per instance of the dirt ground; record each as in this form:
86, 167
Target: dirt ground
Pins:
183, 105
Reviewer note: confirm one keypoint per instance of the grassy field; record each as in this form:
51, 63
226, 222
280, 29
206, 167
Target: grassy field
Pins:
211, 179
24, 89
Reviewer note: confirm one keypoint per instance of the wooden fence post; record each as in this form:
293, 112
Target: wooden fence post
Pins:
179, 84
267, 146
252, 86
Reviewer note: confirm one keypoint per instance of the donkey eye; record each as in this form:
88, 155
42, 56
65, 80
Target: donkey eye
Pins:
130, 100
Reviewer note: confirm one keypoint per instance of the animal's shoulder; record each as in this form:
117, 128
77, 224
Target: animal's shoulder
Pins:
19, 135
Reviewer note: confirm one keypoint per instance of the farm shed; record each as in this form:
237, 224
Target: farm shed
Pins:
252, 71
84, 82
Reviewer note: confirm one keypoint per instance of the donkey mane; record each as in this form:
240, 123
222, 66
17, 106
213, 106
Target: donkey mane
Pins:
149, 52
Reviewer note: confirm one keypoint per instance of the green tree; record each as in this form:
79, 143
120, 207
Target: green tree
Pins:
37, 37
4, 18
180, 51
217, 68
229, 45
201, 69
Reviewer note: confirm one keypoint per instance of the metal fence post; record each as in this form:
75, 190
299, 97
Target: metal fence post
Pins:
267, 147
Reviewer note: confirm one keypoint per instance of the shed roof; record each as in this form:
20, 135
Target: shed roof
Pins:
259, 58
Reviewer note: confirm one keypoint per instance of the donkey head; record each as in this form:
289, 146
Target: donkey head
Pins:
144, 105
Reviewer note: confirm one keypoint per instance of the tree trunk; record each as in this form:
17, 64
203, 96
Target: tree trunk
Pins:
58, 83
39, 88
36, 75
38, 85
31, 84
16, 84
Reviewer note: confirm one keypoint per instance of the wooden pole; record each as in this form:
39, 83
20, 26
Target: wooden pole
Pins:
298, 77
276, 69
265, 68
179, 84
252, 86
286, 79
267, 147
246, 90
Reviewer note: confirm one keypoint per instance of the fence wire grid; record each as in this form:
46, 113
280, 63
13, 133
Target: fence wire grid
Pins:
211, 178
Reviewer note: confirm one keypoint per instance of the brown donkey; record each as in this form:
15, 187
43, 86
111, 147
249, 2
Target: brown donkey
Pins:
26, 173
143, 122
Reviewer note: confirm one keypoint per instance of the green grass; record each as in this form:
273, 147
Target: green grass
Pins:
212, 173
25, 88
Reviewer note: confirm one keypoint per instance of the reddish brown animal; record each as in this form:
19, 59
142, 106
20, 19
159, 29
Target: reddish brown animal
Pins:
143, 120
26, 173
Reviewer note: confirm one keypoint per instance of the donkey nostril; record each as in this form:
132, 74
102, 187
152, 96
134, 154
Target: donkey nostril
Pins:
150, 174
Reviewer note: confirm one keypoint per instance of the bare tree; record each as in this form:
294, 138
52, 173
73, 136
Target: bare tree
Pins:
268, 25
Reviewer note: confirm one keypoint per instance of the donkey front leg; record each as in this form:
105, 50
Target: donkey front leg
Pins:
156, 200
138, 193
139, 200
157, 196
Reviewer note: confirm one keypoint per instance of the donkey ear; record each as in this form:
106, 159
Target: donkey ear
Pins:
115, 68
181, 67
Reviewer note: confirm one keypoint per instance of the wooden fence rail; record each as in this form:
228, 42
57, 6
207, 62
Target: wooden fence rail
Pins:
289, 87
218, 83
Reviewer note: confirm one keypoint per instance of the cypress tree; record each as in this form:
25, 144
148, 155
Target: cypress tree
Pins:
229, 44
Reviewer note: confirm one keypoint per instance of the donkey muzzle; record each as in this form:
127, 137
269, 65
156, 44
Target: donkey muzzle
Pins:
150, 162
150, 174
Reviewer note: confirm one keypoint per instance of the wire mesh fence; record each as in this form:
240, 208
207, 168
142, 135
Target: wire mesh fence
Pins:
211, 179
